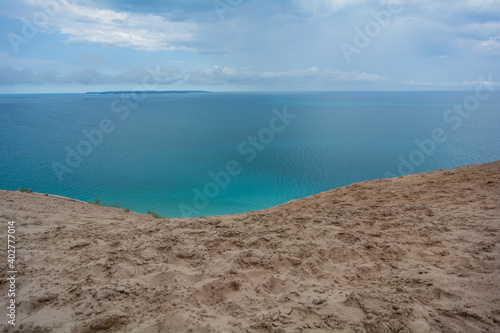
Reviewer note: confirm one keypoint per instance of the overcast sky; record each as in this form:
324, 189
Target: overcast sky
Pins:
248, 45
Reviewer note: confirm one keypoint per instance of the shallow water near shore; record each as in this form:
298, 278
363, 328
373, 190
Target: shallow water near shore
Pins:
207, 154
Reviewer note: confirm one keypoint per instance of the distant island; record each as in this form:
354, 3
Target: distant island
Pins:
149, 92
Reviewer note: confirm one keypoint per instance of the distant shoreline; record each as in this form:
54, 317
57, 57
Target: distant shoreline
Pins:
147, 92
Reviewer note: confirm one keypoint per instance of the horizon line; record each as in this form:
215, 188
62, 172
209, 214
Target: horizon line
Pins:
159, 92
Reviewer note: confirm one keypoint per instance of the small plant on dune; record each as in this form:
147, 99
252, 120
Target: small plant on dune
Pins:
117, 205
97, 202
127, 210
22, 189
154, 214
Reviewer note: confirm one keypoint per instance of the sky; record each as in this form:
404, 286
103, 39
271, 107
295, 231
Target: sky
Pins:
74, 46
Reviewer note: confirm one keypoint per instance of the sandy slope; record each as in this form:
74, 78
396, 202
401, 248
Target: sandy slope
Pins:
412, 254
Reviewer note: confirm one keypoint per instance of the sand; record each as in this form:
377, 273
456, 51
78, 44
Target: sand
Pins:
419, 253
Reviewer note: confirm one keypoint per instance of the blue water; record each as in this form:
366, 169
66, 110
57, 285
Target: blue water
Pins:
157, 152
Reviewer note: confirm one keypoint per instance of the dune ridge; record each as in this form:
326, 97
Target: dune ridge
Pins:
419, 253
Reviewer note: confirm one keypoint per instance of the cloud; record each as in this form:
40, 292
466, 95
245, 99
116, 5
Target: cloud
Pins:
313, 75
491, 46
274, 44
149, 32
321, 8
482, 5
481, 37
92, 59
168, 75
21, 62
453, 84
10, 75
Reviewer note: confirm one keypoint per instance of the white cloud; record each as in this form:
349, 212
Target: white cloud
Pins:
484, 5
311, 75
322, 8
319, 8
149, 32
478, 39
10, 75
414, 83
480, 29
491, 46
314, 75
453, 84
168, 75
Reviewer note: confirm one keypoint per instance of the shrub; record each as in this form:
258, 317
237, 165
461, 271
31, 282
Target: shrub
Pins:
154, 214
97, 202
22, 189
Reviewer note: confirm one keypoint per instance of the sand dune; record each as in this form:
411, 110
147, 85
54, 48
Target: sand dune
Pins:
419, 253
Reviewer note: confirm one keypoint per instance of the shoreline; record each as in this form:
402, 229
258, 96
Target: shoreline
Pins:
284, 203
61, 197
418, 253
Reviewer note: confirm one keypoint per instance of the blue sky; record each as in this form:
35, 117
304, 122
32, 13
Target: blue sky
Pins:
248, 45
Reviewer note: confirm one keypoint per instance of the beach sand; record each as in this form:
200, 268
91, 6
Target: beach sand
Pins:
419, 253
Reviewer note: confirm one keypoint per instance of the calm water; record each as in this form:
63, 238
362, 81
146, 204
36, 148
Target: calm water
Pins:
162, 152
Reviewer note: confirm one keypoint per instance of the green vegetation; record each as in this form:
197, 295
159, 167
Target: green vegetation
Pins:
118, 205
98, 202
154, 214
22, 189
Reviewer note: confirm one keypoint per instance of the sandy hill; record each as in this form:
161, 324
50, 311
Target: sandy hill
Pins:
419, 253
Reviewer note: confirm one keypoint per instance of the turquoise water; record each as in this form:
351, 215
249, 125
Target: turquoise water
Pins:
159, 152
